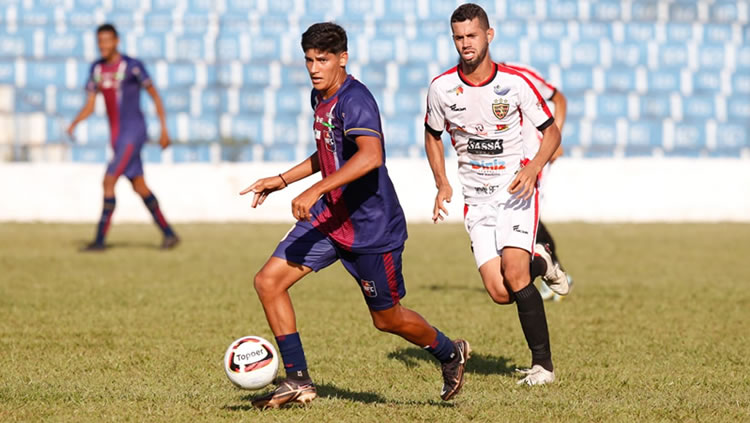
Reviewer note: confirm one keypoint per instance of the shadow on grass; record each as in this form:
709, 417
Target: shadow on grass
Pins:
328, 391
80, 245
482, 364
455, 288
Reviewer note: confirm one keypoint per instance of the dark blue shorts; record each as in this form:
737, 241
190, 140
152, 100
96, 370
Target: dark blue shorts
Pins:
378, 275
127, 158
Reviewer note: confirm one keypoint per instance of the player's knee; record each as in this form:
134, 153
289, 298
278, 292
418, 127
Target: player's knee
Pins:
515, 274
264, 284
501, 297
386, 322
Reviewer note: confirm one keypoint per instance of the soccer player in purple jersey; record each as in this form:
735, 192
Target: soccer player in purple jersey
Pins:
352, 214
120, 78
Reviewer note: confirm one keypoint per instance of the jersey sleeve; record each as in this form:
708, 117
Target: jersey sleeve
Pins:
434, 119
533, 105
91, 86
361, 116
140, 74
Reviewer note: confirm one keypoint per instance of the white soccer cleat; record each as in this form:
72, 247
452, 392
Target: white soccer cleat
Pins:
536, 375
558, 298
546, 293
555, 278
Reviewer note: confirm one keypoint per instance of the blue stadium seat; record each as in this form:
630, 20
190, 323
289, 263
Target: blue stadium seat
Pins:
655, 106
319, 9
640, 32
507, 52
389, 28
645, 133
246, 127
354, 26
638, 151
150, 46
181, 74
706, 82
97, 131
203, 6
738, 107
683, 12
545, 53
7, 72
611, 106
553, 30
399, 8
599, 151
86, 4
195, 23
237, 153
190, 47
562, 10
16, 45
510, 31
664, 81
689, 135
169, 5
697, 107
724, 11
606, 11
264, 48
382, 50
292, 100
122, 20
96, 153
489, 6
740, 82
619, 80
285, 128
409, 102
421, 50
717, 33
416, 75
153, 126
679, 32
673, 55
279, 152
252, 101
360, 8
190, 153
374, 75
65, 45
603, 132
733, 135
36, 17
28, 100
151, 153
577, 79
644, 10
743, 57
227, 47
43, 73
400, 131
69, 102
571, 134
255, 75
442, 9
203, 128
81, 19
175, 100
595, 31
585, 53
125, 5
629, 54
711, 56
576, 106
292, 75
522, 10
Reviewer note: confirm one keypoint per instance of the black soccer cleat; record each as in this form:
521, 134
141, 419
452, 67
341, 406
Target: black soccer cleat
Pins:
93, 247
288, 392
453, 371
170, 242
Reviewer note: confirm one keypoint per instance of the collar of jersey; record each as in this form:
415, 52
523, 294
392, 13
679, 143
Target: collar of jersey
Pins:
343, 84
483, 83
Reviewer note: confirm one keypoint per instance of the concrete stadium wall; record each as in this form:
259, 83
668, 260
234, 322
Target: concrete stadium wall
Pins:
591, 190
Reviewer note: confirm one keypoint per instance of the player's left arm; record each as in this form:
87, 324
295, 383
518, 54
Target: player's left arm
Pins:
561, 108
164, 139
369, 156
535, 108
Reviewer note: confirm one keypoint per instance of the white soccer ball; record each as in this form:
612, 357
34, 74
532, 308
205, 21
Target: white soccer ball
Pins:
251, 362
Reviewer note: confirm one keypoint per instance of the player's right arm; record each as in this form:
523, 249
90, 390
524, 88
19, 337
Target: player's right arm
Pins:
433, 145
265, 186
85, 112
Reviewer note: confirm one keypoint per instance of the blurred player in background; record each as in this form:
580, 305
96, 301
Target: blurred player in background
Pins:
352, 215
482, 104
120, 78
532, 139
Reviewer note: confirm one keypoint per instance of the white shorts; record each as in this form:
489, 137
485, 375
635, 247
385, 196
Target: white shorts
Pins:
505, 222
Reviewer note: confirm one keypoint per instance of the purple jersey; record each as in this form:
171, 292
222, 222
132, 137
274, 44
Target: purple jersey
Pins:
365, 215
120, 83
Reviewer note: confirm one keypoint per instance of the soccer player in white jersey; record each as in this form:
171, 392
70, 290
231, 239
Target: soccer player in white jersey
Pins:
532, 139
482, 105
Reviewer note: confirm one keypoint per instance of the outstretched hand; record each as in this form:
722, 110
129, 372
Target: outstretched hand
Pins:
439, 211
262, 188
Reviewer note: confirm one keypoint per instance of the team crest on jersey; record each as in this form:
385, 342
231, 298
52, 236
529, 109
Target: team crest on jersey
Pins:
368, 287
500, 108
330, 143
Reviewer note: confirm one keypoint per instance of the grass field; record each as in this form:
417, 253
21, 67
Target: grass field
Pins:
656, 329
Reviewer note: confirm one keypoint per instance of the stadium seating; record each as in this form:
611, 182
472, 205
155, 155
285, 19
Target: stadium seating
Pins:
641, 76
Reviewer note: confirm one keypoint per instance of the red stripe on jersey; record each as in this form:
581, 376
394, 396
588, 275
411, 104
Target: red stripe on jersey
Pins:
481, 84
532, 73
511, 71
449, 71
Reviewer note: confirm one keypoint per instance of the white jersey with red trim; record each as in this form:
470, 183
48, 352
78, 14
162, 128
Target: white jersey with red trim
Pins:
485, 122
531, 137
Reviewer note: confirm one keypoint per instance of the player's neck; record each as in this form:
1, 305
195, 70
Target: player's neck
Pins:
113, 58
478, 73
338, 81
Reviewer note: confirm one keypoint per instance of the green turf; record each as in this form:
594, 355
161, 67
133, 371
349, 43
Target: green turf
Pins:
656, 329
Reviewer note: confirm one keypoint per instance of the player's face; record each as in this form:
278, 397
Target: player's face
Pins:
325, 69
107, 44
471, 40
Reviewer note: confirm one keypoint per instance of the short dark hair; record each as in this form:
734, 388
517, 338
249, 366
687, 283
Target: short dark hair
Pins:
326, 37
469, 11
107, 27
